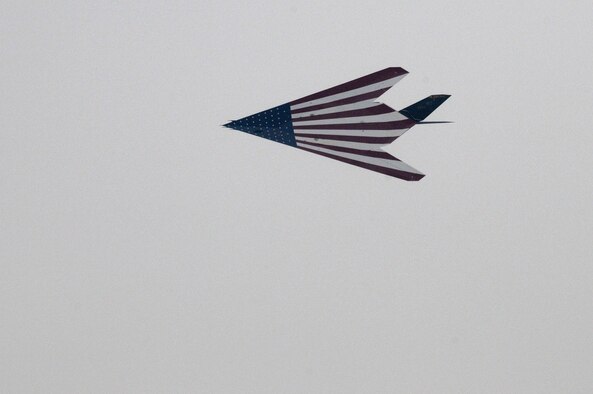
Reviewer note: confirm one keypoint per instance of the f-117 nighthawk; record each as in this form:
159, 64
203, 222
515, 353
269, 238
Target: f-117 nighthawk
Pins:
345, 123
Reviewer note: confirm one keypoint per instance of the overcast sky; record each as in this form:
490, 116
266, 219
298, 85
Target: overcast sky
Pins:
144, 248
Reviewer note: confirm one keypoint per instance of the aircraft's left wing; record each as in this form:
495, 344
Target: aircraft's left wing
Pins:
375, 159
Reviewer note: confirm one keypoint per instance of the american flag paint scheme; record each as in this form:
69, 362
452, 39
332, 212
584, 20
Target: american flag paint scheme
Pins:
345, 123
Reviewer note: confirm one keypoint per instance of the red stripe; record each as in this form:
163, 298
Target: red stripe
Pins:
408, 176
370, 153
375, 110
348, 100
370, 79
350, 138
393, 125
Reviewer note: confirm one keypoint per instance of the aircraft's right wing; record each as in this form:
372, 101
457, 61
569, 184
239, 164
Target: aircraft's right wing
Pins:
358, 93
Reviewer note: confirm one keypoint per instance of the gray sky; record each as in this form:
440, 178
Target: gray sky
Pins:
144, 248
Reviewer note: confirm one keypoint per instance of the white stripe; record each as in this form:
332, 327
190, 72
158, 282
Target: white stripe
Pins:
339, 108
356, 133
389, 117
345, 144
355, 92
385, 163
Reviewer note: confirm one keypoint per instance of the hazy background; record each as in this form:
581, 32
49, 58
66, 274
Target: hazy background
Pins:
144, 248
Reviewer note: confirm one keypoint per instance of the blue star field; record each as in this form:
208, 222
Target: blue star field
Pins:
273, 124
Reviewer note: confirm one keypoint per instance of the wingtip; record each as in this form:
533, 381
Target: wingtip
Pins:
440, 96
415, 177
393, 71
399, 70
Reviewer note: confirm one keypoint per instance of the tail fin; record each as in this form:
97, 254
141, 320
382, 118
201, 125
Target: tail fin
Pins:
420, 110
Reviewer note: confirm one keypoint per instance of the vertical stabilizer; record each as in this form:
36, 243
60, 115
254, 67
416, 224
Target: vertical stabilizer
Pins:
420, 110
